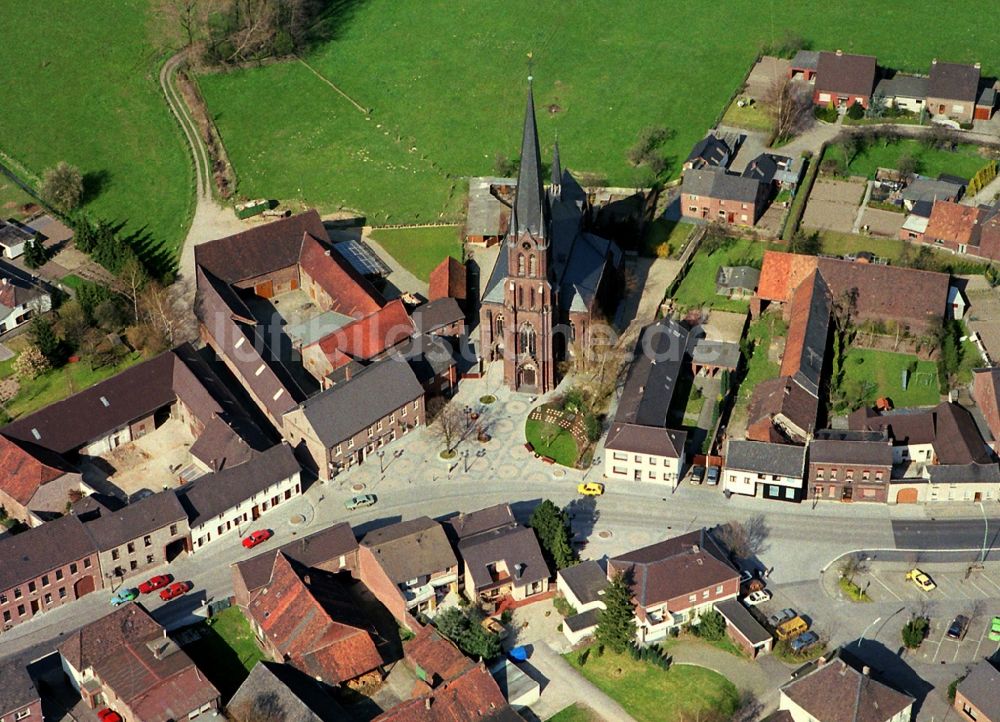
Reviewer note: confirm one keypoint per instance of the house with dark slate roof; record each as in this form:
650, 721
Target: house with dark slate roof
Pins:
849, 465
639, 446
709, 152
500, 558
675, 581
976, 697
835, 690
952, 90
714, 195
772, 471
19, 698
272, 689
843, 79
583, 587
906, 92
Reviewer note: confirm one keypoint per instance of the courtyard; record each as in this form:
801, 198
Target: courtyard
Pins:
833, 204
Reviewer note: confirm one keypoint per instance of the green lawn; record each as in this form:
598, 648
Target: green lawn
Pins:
760, 367
673, 233
651, 694
12, 199
964, 161
57, 384
227, 651
575, 713
82, 87
420, 250
698, 287
885, 369
751, 117
448, 80
894, 249
561, 446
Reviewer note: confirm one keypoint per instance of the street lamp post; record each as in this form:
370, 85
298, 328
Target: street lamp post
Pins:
465, 460
381, 462
862, 638
986, 531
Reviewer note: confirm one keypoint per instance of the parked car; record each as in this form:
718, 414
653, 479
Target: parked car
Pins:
591, 488
175, 590
803, 642
713, 476
108, 715
783, 616
791, 628
154, 583
360, 501
758, 597
256, 537
697, 474
995, 630
958, 627
124, 596
921, 580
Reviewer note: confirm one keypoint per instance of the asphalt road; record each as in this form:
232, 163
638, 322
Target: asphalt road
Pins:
947, 534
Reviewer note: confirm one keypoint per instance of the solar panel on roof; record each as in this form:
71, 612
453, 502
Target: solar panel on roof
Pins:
362, 258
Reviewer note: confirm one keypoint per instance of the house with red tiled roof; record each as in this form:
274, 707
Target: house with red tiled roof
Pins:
986, 393
448, 280
473, 695
675, 581
34, 484
305, 617
126, 661
954, 226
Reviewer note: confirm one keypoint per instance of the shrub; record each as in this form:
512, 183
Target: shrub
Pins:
856, 111
582, 659
62, 187
712, 626
915, 631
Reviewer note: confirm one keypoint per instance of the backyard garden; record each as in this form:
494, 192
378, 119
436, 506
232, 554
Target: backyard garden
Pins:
697, 289
226, 650
760, 366
420, 250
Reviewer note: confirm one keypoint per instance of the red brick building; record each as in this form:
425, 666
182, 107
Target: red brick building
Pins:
843, 79
19, 698
849, 466
46, 567
714, 195
976, 697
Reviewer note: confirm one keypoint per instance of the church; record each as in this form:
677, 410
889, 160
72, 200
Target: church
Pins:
553, 279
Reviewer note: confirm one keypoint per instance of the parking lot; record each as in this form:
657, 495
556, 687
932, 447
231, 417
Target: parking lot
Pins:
938, 648
887, 582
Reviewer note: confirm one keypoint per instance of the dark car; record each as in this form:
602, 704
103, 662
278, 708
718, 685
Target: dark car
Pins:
803, 642
697, 474
713, 476
958, 627
783, 616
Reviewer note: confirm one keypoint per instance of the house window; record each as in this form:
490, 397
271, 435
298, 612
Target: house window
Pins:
173, 529
59, 574
131, 547
718, 589
6, 616
3, 598
833, 474
115, 554
970, 712
620, 456
220, 528
62, 592
86, 563
705, 594
149, 559
20, 610
31, 586
692, 597
133, 565
378, 426
17, 592
45, 580
147, 541
337, 450
48, 599
878, 476
865, 475
819, 473
24, 713
652, 461
72, 568
371, 432
402, 412
693, 209
652, 474
350, 443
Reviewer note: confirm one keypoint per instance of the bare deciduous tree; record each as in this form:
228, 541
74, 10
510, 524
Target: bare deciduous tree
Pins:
789, 105
449, 424
852, 565
745, 539
180, 22
62, 186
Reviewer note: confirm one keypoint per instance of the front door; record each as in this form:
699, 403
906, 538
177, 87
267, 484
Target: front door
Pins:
527, 376
255, 512
978, 497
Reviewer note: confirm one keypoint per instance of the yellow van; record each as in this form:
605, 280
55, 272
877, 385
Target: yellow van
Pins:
792, 628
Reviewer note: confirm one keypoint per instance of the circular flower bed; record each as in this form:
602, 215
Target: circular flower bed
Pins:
487, 399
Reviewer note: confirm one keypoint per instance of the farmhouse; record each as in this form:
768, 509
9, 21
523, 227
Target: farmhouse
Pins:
126, 661
715, 195
843, 79
36, 484
954, 226
488, 218
639, 445
675, 581
986, 393
552, 280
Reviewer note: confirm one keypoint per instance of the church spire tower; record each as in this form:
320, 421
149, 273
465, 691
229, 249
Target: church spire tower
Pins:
529, 204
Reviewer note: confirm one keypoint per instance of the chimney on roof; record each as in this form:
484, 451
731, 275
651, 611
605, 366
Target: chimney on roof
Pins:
518, 570
977, 65
326, 252
695, 548
866, 671
839, 52
306, 579
5, 280
934, 61
427, 703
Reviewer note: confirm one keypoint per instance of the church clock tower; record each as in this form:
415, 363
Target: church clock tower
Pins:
529, 297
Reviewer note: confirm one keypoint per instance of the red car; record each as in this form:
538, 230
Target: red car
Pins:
109, 715
256, 537
175, 590
154, 583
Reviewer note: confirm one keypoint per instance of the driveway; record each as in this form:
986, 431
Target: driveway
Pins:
565, 686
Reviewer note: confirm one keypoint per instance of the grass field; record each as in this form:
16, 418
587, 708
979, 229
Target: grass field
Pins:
894, 249
673, 233
698, 287
575, 713
448, 81
561, 446
885, 369
57, 384
81, 86
651, 694
420, 250
965, 161
12, 199
227, 651
760, 367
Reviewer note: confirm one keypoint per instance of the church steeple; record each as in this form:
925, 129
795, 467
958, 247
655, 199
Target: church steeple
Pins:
529, 203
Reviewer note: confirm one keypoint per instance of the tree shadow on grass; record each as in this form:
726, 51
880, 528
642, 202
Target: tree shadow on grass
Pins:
94, 183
